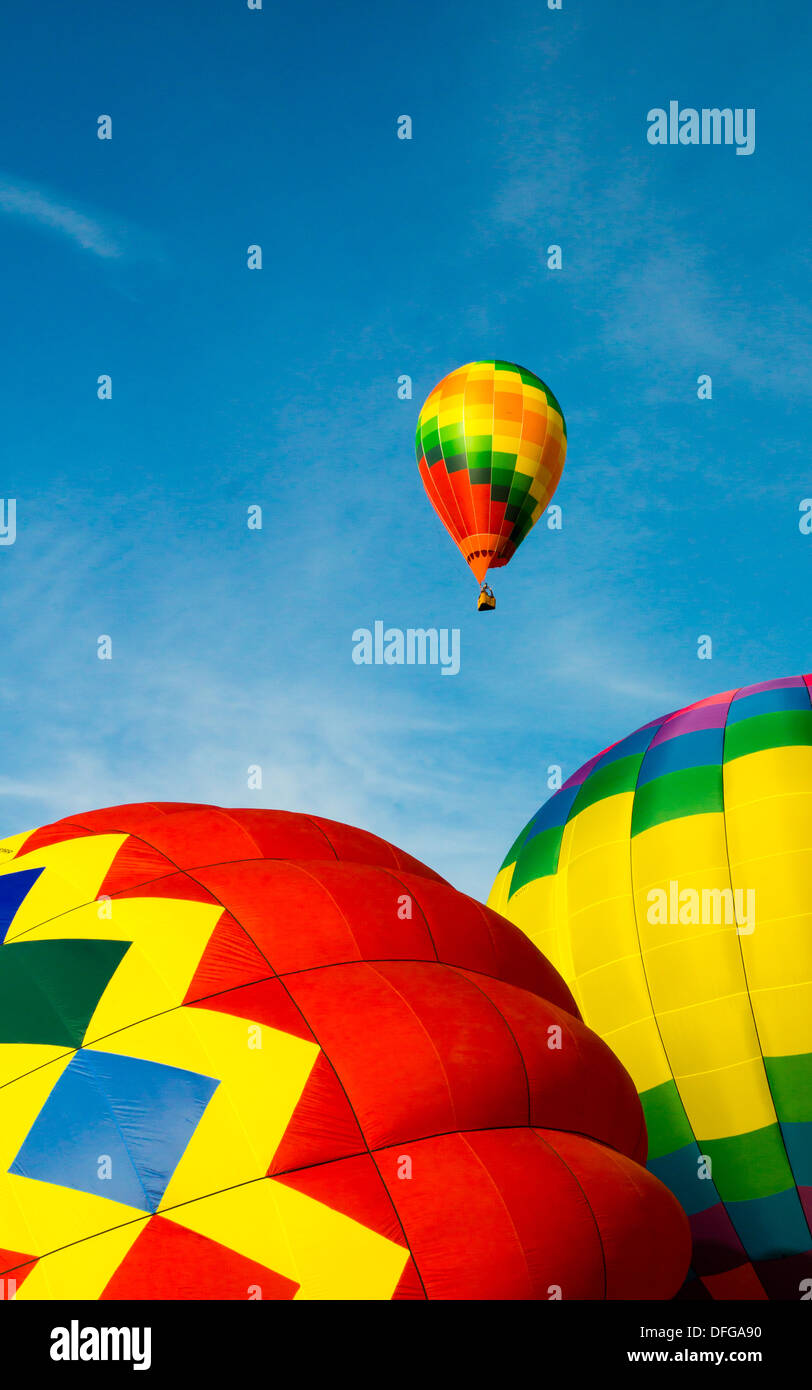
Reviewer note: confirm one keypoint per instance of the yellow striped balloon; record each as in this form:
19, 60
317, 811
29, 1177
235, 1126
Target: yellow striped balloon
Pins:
670, 881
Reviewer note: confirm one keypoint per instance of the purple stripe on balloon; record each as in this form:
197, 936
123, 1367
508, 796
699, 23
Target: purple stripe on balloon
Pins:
716, 1245
583, 772
691, 721
784, 683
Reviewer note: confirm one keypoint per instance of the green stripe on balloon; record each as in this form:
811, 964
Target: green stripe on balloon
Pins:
614, 778
777, 729
538, 858
748, 1166
692, 791
790, 1080
666, 1121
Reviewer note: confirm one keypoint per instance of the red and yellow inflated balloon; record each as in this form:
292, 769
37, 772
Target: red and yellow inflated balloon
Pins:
256, 1054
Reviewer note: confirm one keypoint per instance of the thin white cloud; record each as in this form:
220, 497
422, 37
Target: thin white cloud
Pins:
19, 200
179, 731
166, 720
659, 284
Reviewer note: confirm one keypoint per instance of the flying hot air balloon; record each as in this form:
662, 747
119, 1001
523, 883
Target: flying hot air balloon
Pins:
491, 443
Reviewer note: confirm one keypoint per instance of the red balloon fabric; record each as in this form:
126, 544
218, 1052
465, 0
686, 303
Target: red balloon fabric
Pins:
450, 1128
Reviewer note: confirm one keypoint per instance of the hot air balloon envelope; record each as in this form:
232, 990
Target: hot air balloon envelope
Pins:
670, 880
252, 1050
491, 442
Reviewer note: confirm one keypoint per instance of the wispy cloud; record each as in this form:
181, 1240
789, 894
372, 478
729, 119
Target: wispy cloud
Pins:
186, 732
662, 287
20, 200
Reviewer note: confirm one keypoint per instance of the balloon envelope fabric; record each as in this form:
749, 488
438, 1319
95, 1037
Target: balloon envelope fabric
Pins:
260, 1054
670, 880
491, 443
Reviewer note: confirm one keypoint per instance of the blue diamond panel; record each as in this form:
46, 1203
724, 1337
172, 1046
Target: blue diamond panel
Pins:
140, 1114
13, 888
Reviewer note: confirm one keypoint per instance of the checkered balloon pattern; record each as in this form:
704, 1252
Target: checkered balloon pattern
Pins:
491, 443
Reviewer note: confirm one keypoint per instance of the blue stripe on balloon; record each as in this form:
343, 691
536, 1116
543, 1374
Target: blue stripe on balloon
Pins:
768, 702
797, 1135
678, 1170
553, 813
703, 748
637, 742
771, 1226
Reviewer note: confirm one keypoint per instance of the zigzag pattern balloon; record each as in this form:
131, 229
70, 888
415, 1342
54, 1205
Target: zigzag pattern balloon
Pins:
256, 1054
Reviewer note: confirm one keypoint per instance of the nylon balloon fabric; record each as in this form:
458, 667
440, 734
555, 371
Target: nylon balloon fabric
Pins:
670, 880
259, 1054
491, 443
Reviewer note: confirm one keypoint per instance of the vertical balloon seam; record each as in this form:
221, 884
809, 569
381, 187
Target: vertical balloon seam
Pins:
535, 481
311, 820
458, 971
736, 694
655, 729
370, 1151
680, 1098
468, 408
500, 1194
560, 892
468, 380
244, 830
779, 1126
464, 525
493, 454
457, 528
494, 521
496, 529
525, 527
438, 502
429, 474
456, 531
511, 536
478, 519
538, 480
587, 1203
505, 536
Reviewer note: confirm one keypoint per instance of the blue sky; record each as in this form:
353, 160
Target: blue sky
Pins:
382, 257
